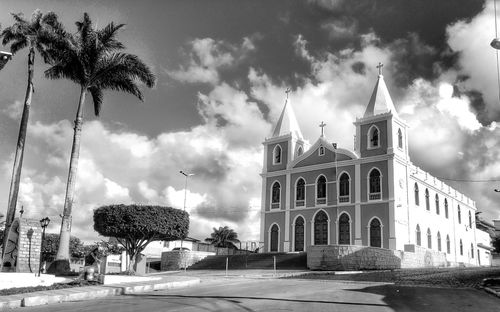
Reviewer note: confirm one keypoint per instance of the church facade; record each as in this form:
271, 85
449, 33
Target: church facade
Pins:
375, 196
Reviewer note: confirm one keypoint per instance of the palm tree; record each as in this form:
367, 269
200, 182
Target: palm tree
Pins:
37, 34
223, 237
91, 59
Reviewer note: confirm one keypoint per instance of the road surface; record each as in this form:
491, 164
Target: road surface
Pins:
252, 294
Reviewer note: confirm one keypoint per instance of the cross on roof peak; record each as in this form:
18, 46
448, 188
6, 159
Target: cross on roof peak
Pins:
379, 67
322, 126
287, 91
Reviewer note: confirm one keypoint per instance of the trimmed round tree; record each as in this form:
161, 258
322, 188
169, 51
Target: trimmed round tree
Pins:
135, 226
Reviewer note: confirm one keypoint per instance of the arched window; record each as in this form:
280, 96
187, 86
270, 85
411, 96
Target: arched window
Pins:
344, 188
277, 155
299, 234
275, 233
400, 139
472, 250
427, 204
276, 194
470, 220
459, 215
439, 241
374, 186
300, 193
429, 239
321, 229
300, 151
461, 248
448, 248
375, 233
373, 137
321, 151
344, 229
437, 204
417, 197
446, 208
321, 191
417, 235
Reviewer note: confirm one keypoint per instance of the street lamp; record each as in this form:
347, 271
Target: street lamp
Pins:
187, 175
4, 58
43, 223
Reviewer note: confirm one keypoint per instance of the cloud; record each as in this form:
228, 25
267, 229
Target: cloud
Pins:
13, 110
207, 56
476, 62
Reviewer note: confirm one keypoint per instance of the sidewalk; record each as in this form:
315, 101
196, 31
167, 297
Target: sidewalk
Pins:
492, 285
92, 292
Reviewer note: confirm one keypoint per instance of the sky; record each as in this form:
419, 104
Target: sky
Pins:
222, 69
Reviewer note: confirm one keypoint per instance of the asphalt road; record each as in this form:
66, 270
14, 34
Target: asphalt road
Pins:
239, 294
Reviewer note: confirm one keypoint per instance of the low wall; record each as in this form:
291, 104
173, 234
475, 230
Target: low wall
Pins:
495, 259
351, 257
416, 256
176, 260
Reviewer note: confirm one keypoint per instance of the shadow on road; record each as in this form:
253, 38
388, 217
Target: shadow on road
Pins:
234, 299
411, 298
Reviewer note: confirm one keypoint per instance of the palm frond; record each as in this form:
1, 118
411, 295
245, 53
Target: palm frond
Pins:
107, 37
19, 18
18, 45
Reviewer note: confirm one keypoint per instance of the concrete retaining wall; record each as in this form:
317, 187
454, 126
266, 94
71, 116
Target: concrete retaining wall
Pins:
176, 260
495, 259
351, 257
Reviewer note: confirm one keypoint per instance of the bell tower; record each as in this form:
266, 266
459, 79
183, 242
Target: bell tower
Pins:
381, 131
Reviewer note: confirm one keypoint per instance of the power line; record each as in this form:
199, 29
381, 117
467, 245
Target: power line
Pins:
468, 180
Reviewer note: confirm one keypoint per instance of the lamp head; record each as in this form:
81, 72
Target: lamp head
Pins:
495, 43
5, 56
45, 222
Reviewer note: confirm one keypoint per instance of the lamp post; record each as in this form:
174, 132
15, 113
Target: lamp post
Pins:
4, 58
44, 223
187, 175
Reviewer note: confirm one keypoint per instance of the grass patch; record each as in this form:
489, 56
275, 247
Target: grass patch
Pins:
22, 290
442, 277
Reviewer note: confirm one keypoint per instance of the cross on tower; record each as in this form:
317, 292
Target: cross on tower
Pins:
322, 125
379, 66
287, 91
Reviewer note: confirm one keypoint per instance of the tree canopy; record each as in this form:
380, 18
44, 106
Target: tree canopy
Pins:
51, 243
135, 226
223, 237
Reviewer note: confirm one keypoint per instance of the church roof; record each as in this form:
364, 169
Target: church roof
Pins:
380, 101
287, 123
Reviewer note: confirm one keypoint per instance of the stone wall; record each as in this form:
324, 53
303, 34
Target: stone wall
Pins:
416, 256
351, 257
22, 253
176, 260
495, 258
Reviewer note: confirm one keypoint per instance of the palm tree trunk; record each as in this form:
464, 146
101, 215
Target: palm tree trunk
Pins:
18, 159
64, 238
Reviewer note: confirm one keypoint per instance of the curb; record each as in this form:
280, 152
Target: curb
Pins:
86, 293
492, 291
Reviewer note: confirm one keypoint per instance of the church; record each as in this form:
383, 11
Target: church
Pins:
323, 194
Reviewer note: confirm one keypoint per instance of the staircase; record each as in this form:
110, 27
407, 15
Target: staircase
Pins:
284, 261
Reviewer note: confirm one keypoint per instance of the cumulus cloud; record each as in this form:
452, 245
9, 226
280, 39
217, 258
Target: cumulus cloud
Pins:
207, 56
13, 110
477, 61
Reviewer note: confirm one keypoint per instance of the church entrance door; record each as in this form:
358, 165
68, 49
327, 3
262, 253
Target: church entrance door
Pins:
299, 234
274, 238
321, 229
375, 233
344, 230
